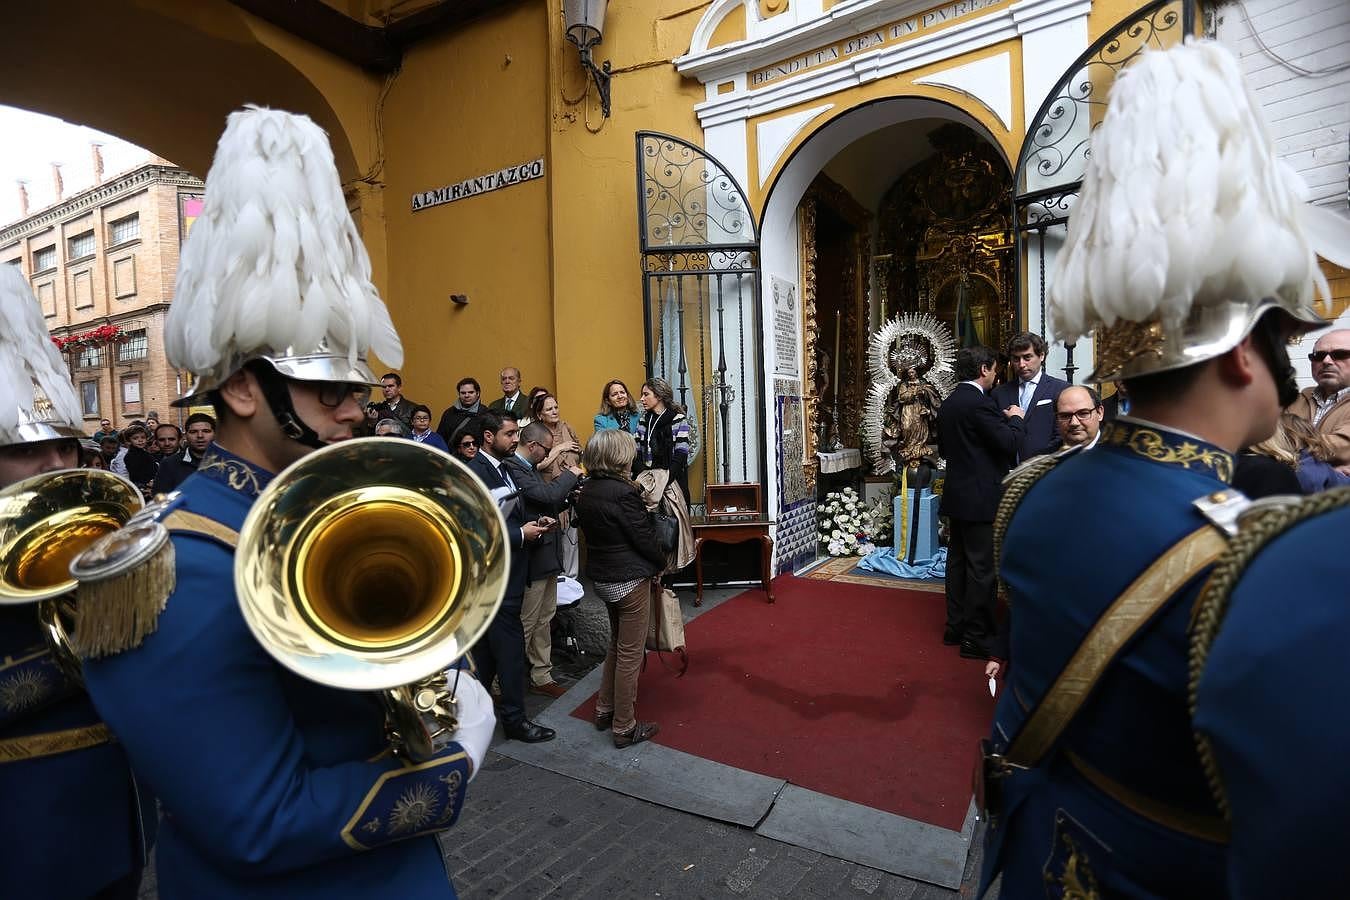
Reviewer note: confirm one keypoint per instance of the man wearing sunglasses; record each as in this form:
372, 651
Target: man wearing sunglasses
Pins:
1327, 404
1078, 413
271, 785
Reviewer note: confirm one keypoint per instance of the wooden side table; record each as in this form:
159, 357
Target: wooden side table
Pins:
721, 531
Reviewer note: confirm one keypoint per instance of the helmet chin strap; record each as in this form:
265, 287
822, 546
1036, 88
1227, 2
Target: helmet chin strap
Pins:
1275, 351
278, 398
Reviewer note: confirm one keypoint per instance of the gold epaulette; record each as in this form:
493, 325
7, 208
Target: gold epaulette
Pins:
1015, 486
1260, 525
126, 578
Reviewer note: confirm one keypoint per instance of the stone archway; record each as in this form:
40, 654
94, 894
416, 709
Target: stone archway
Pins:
164, 75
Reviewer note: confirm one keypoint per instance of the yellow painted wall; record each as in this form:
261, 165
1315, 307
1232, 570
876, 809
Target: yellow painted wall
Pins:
466, 104
593, 204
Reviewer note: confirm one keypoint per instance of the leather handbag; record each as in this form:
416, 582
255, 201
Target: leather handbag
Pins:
667, 531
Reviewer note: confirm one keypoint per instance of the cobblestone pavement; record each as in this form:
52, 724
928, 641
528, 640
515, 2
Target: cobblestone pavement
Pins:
530, 833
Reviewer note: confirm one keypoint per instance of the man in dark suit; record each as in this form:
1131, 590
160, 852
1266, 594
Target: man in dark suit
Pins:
980, 445
395, 405
502, 651
1035, 391
512, 400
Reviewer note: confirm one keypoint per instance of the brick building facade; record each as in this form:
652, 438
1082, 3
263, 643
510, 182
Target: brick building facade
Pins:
108, 256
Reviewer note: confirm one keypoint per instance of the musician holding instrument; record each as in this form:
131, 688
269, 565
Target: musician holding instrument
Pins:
274, 602
73, 820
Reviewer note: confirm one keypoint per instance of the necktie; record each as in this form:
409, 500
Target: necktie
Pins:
1025, 395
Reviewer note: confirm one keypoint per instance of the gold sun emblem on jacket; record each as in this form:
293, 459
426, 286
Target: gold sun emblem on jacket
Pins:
23, 689
415, 809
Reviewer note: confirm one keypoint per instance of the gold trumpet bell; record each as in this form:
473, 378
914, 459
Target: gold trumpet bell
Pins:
371, 564
48, 520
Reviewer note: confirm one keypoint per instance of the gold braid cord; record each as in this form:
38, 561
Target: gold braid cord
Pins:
1256, 531
1015, 487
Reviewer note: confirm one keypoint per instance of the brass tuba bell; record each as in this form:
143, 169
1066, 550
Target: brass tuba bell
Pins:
45, 522
374, 564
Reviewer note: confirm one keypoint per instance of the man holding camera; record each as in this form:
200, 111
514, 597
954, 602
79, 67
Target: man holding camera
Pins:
543, 500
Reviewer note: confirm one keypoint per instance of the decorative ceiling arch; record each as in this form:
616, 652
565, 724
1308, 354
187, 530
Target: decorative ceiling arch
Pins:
168, 95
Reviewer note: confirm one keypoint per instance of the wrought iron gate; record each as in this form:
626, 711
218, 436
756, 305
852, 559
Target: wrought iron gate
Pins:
701, 304
1054, 155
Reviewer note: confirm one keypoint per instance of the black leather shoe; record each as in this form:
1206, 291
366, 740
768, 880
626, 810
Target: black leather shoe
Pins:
527, 731
971, 649
951, 636
603, 721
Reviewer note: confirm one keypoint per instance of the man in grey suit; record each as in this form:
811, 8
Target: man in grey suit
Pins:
1035, 391
543, 502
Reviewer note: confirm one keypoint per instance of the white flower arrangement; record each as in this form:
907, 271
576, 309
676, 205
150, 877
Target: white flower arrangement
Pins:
847, 525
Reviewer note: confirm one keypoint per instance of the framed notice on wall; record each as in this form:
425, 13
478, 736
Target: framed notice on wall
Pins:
786, 328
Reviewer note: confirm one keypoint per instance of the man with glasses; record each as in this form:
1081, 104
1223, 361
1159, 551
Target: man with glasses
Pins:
1326, 404
544, 500
272, 786
74, 822
1078, 412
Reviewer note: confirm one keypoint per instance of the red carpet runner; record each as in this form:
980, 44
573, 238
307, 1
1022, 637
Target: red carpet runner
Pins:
837, 688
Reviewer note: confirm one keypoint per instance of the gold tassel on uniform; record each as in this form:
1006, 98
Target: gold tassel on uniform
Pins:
124, 583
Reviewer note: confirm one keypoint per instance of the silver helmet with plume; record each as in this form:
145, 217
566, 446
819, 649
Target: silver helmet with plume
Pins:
37, 400
1189, 227
274, 268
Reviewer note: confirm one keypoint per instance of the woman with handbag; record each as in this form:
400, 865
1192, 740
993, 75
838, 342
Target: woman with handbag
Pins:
623, 558
663, 434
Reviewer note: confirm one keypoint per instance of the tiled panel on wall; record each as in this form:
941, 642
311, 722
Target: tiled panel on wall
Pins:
795, 540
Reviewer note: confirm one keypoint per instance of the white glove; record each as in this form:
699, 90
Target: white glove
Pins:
477, 720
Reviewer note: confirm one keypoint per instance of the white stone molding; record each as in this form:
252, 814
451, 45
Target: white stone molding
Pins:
987, 80
774, 136
722, 64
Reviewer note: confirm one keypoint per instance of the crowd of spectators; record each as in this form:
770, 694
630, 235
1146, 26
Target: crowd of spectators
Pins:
522, 442
155, 456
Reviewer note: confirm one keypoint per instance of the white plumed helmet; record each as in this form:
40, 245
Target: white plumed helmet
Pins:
37, 400
1188, 227
274, 268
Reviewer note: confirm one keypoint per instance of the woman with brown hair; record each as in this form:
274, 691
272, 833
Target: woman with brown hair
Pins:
618, 409
623, 559
1296, 443
566, 453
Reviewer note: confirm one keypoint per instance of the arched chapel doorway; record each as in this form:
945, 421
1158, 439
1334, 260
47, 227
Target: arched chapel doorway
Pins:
898, 206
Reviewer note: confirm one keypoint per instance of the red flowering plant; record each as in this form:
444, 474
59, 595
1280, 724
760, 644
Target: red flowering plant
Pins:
103, 334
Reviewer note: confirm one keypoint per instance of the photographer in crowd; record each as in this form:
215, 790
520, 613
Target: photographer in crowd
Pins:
544, 502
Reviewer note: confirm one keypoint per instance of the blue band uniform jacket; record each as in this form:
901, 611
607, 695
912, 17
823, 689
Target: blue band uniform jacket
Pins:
1115, 807
271, 785
74, 819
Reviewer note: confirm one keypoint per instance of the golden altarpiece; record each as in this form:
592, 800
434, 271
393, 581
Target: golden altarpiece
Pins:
941, 243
